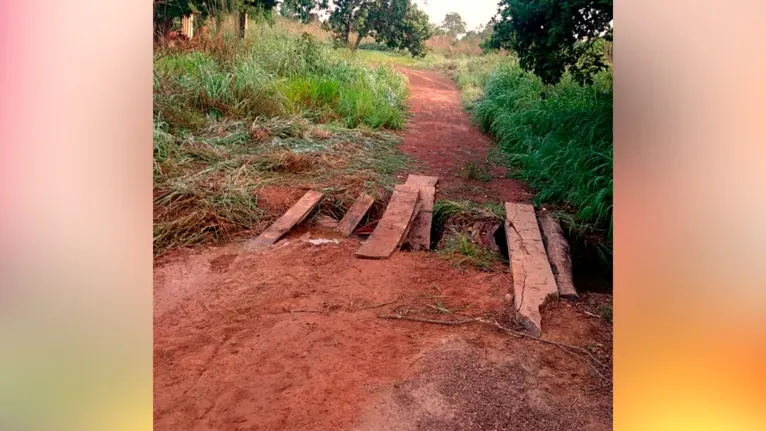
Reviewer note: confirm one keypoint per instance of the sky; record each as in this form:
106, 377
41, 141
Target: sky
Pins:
474, 12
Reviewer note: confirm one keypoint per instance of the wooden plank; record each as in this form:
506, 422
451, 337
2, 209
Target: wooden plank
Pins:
533, 280
421, 180
396, 220
355, 214
296, 214
420, 234
415, 213
557, 249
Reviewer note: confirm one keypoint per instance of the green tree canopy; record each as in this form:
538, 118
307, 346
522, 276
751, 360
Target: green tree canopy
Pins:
299, 10
453, 24
551, 35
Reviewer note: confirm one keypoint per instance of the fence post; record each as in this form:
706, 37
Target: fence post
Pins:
242, 24
187, 26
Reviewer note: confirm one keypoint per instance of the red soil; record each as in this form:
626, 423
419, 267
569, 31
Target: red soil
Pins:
290, 338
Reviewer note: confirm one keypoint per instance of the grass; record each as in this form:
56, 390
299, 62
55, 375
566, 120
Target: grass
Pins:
390, 58
462, 251
476, 171
274, 73
605, 311
207, 185
558, 139
445, 210
280, 110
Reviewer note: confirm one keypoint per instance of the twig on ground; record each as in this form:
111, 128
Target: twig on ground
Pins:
418, 319
568, 348
376, 305
287, 310
591, 314
563, 346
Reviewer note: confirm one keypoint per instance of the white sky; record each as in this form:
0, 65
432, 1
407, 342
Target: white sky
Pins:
474, 12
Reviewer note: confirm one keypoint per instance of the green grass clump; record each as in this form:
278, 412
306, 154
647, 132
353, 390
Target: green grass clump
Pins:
558, 139
476, 171
275, 73
462, 251
390, 58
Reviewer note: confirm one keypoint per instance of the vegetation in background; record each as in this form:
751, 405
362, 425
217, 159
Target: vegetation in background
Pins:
301, 10
232, 118
552, 36
398, 24
165, 11
453, 25
558, 139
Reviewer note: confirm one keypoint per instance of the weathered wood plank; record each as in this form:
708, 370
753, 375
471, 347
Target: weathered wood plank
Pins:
296, 214
355, 214
557, 249
421, 180
419, 237
396, 220
415, 213
533, 280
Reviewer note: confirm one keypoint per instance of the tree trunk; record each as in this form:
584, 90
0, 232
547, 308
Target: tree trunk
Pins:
348, 31
358, 41
242, 25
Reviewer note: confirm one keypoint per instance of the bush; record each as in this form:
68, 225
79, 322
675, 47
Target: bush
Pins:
558, 139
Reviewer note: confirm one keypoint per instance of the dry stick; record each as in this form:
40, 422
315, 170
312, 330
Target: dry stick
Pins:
417, 319
377, 306
562, 346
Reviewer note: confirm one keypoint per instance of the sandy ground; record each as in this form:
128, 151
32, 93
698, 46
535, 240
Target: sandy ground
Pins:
292, 338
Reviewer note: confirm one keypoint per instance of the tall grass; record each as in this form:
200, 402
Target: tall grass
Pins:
557, 138
275, 73
280, 109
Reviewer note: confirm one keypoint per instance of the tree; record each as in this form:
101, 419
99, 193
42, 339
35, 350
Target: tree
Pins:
299, 10
347, 16
453, 24
401, 25
397, 23
551, 35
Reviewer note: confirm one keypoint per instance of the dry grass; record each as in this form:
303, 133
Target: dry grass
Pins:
207, 186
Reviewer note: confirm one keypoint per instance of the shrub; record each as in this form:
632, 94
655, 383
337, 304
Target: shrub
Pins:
558, 139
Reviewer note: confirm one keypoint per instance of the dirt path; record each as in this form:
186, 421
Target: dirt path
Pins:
442, 137
290, 338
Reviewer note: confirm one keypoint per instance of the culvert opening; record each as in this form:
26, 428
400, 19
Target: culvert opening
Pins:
589, 271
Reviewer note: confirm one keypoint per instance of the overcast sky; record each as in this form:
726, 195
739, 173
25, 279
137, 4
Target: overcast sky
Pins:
474, 12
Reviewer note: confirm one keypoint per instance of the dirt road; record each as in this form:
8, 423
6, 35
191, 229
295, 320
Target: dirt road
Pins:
291, 339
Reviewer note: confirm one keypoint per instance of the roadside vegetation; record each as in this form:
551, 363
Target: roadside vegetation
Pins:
549, 105
277, 109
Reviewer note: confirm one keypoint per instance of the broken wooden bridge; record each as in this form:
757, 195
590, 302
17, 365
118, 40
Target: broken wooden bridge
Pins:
538, 253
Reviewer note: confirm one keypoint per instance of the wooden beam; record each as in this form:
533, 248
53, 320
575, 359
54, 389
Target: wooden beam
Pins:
421, 180
395, 222
355, 214
533, 281
296, 214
